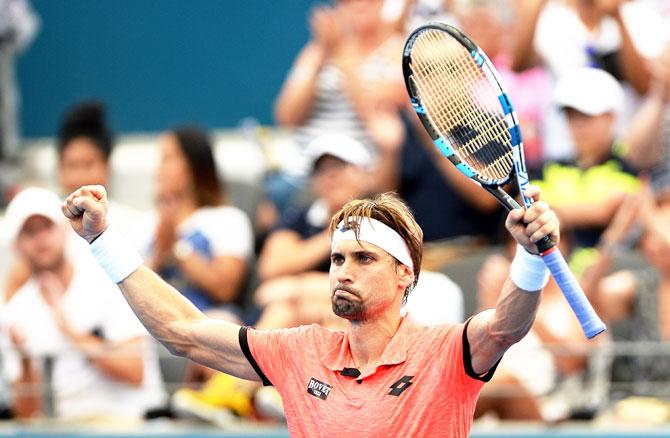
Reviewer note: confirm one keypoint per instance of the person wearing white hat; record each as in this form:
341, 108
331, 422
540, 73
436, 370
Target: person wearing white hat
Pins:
69, 312
587, 191
295, 256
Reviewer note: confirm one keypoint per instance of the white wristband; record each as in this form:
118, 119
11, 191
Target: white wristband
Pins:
116, 257
528, 271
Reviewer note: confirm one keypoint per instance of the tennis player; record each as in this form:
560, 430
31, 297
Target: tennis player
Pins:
385, 375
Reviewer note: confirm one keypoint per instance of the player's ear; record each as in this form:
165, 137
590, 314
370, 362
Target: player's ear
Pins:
406, 275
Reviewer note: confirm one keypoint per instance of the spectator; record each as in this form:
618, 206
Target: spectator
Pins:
422, 176
200, 246
75, 316
617, 36
491, 24
407, 15
587, 191
649, 131
347, 79
634, 302
296, 257
18, 26
533, 378
85, 144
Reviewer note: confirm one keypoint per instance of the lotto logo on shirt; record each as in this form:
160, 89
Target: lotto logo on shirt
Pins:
318, 389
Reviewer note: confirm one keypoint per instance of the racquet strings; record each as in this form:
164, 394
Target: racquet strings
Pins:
462, 103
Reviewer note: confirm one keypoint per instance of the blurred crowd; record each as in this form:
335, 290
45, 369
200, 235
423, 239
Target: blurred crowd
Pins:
590, 81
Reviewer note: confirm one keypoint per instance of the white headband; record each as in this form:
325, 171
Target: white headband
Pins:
376, 233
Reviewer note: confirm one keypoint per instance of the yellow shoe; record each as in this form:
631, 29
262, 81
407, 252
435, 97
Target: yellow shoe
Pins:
226, 391
187, 403
221, 391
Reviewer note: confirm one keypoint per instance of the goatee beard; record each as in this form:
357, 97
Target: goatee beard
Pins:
346, 309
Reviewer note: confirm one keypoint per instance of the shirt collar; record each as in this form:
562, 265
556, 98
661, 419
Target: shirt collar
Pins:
339, 357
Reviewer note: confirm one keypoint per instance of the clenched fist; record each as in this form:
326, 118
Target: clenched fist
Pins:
86, 208
531, 225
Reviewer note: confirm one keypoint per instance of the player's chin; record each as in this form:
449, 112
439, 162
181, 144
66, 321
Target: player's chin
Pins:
347, 309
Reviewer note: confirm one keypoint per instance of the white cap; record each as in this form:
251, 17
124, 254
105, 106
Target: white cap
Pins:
339, 146
30, 202
589, 90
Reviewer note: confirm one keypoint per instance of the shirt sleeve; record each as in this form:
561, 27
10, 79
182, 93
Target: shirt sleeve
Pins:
453, 351
272, 353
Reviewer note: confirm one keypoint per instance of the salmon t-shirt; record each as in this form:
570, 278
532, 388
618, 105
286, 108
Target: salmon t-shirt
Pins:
424, 384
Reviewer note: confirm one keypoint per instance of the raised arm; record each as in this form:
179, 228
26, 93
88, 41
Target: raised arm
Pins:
633, 66
644, 134
492, 332
166, 314
523, 53
296, 98
287, 253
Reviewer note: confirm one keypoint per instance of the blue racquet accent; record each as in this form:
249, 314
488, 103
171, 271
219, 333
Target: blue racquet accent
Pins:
465, 169
505, 103
444, 147
485, 162
588, 319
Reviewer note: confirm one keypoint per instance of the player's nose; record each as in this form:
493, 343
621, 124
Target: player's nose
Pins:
344, 272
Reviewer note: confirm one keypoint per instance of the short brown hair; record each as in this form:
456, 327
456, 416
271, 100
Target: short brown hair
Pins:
389, 209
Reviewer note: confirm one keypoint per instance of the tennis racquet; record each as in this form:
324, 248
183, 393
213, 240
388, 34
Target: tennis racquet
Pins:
456, 92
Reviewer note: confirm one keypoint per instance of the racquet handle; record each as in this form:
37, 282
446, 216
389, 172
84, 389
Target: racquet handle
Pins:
588, 319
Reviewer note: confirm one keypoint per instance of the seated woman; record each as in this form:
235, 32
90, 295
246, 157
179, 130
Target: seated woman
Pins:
200, 246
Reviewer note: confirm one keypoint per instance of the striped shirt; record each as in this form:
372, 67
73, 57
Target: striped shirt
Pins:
333, 110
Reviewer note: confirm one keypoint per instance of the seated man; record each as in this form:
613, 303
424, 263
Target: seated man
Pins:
69, 331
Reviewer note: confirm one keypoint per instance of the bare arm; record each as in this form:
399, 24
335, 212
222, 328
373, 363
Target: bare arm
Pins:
611, 240
221, 278
522, 50
590, 214
27, 393
182, 328
123, 360
492, 332
633, 65
27, 389
296, 98
167, 315
17, 276
644, 133
287, 253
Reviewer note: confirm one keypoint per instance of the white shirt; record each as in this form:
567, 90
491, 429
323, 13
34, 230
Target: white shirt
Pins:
81, 390
435, 300
227, 228
561, 40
